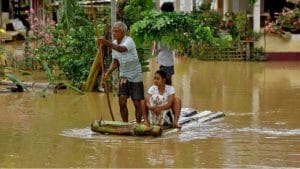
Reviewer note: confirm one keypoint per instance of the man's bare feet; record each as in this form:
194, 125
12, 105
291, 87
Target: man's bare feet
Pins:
177, 126
147, 124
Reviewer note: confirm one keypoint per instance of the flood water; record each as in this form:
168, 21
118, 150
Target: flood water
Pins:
261, 127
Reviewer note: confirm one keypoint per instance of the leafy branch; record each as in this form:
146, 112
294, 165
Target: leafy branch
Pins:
175, 30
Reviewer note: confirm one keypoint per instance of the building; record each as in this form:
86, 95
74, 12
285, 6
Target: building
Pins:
14, 14
276, 47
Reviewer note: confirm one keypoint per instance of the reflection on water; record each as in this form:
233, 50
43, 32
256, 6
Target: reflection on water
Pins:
14, 52
261, 127
79, 133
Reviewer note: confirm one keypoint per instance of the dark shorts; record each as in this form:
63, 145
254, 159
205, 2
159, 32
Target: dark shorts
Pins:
135, 90
168, 69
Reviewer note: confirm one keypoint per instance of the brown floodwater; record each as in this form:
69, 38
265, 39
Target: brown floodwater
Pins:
261, 127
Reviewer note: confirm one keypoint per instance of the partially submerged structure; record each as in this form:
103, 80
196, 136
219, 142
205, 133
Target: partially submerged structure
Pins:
257, 14
14, 16
13, 19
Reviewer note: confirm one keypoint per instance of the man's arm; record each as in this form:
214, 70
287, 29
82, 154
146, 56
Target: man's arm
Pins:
114, 64
109, 44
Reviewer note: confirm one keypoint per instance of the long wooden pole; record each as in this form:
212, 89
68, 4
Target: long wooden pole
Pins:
99, 60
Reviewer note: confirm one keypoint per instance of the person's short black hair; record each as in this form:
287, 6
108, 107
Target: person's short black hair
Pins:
163, 75
167, 7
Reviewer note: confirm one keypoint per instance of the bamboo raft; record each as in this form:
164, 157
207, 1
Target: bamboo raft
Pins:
187, 115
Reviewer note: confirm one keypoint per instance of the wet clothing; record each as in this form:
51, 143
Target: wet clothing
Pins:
166, 116
165, 59
164, 56
130, 69
130, 66
169, 90
135, 90
168, 69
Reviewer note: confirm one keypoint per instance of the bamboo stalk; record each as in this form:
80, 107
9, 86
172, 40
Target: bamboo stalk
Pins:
90, 83
125, 128
95, 66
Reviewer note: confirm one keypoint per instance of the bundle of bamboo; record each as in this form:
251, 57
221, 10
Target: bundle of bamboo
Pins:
187, 115
124, 128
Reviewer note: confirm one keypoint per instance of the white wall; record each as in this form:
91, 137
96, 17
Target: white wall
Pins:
242, 6
163, 1
186, 5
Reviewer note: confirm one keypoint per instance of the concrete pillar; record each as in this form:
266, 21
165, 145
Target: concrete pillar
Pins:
186, 5
189, 5
215, 5
236, 6
30, 5
225, 8
113, 12
157, 4
256, 16
177, 5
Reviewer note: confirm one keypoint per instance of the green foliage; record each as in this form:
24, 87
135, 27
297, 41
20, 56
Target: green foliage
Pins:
251, 2
144, 55
258, 54
73, 47
210, 18
288, 19
205, 6
52, 80
49, 74
135, 9
240, 21
175, 30
68, 11
2, 50
73, 51
27, 53
254, 35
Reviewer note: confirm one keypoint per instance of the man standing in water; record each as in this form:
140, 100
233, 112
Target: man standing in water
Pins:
124, 56
165, 56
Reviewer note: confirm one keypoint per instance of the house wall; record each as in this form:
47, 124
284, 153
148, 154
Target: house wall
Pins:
186, 5
243, 6
278, 48
276, 43
180, 5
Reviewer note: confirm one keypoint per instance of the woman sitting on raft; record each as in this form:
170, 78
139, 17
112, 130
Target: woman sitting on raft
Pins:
160, 106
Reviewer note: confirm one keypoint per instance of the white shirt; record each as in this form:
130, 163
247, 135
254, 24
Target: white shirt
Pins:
161, 118
165, 56
130, 66
169, 90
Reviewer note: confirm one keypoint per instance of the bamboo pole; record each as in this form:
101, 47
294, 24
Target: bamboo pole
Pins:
95, 66
125, 128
